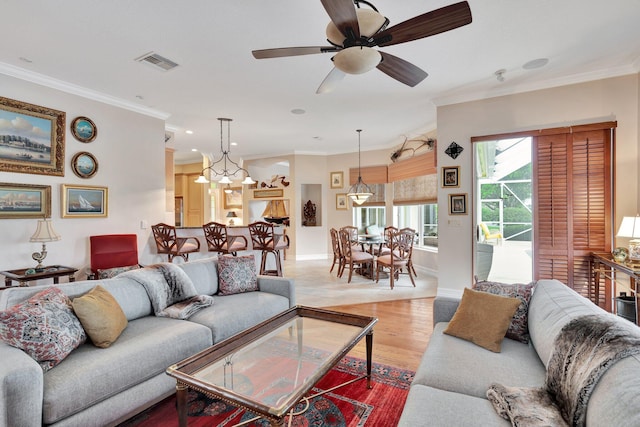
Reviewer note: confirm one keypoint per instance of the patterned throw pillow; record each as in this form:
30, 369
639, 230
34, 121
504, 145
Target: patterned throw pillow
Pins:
519, 328
44, 327
236, 274
109, 273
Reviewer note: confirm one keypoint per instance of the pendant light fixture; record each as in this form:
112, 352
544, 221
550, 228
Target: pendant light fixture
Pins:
202, 179
359, 192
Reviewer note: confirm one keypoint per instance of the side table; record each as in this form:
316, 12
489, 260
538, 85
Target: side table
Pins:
51, 272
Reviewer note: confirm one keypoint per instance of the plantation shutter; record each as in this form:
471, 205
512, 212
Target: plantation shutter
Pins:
573, 192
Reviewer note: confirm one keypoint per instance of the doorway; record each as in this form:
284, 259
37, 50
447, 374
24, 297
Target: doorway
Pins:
503, 210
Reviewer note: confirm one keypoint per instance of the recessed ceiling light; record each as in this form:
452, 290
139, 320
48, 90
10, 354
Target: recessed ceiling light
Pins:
298, 111
500, 74
536, 63
188, 132
234, 143
194, 149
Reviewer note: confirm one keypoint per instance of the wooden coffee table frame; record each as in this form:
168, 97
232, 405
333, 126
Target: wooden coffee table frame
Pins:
184, 371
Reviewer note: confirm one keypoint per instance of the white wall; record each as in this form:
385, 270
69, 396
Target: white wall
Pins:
602, 100
130, 151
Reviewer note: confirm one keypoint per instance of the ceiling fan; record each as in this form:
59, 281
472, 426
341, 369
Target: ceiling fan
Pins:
354, 32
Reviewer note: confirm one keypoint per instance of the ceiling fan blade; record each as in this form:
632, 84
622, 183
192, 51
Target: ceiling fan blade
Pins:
401, 70
292, 51
425, 25
330, 82
343, 15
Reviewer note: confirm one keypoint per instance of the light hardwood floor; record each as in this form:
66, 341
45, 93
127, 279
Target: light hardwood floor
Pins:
401, 335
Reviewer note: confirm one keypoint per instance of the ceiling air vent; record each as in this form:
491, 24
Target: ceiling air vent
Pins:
157, 61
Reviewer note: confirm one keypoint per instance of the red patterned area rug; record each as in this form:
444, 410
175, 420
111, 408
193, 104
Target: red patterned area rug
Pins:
349, 406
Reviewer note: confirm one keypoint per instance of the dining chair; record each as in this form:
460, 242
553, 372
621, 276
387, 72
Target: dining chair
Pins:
337, 251
387, 238
353, 258
219, 240
167, 242
353, 237
265, 239
401, 246
410, 264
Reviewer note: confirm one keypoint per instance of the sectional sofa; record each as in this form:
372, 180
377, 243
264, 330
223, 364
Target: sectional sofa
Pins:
104, 386
451, 383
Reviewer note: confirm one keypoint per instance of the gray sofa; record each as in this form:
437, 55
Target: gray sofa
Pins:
104, 386
449, 388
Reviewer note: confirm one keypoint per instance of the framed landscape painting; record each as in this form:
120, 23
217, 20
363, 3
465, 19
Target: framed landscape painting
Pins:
233, 200
83, 201
25, 201
31, 138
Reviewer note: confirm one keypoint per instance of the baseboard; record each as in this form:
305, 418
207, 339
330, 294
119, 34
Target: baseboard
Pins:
311, 257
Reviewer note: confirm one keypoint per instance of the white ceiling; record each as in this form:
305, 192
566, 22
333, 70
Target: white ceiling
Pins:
90, 46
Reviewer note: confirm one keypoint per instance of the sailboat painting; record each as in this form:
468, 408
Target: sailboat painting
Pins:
84, 201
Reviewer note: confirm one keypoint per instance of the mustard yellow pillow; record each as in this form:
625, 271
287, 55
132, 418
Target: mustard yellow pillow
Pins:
482, 318
100, 315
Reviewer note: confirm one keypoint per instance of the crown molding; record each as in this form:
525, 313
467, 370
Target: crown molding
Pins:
41, 79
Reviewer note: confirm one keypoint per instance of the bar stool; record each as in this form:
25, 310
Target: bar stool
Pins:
218, 239
264, 238
168, 243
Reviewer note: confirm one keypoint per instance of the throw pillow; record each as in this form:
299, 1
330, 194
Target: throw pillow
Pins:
483, 318
236, 274
519, 327
108, 273
43, 326
100, 315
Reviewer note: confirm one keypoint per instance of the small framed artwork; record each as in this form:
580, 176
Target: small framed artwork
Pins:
341, 201
84, 201
450, 176
31, 138
84, 164
233, 200
25, 201
268, 194
83, 129
458, 204
337, 179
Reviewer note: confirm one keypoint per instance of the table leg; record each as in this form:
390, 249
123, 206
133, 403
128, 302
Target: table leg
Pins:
181, 400
369, 343
7, 282
56, 280
72, 278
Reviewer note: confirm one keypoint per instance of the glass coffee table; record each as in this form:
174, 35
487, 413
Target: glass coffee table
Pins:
268, 369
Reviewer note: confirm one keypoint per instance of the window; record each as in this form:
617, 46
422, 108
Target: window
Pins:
366, 216
422, 218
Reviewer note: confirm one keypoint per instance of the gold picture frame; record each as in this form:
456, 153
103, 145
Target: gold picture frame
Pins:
450, 176
24, 201
337, 179
268, 194
342, 202
36, 144
233, 200
84, 201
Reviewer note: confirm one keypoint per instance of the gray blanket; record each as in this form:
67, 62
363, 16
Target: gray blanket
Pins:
170, 290
583, 351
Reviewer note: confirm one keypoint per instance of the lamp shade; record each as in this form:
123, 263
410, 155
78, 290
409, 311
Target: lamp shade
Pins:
231, 214
630, 227
357, 59
45, 232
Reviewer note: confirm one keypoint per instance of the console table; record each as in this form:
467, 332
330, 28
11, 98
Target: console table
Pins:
51, 272
603, 266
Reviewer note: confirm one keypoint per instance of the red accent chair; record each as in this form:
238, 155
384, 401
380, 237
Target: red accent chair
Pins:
111, 251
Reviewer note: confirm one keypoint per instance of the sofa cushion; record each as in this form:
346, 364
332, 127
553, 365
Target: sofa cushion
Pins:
441, 366
144, 350
483, 318
518, 329
204, 275
428, 406
237, 274
109, 273
223, 319
44, 327
101, 316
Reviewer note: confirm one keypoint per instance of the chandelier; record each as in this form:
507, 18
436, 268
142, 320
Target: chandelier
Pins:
225, 159
359, 192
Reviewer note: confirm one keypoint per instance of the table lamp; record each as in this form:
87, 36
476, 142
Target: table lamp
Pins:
231, 214
44, 233
630, 227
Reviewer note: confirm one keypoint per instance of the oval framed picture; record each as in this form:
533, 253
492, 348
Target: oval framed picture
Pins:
84, 164
83, 129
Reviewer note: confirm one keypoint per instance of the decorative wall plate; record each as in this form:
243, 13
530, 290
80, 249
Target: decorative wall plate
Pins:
84, 164
454, 150
83, 129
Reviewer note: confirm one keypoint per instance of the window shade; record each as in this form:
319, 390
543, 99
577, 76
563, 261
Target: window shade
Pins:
370, 175
424, 164
416, 191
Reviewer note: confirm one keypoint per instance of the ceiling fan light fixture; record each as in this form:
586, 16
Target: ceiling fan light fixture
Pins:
369, 21
357, 59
